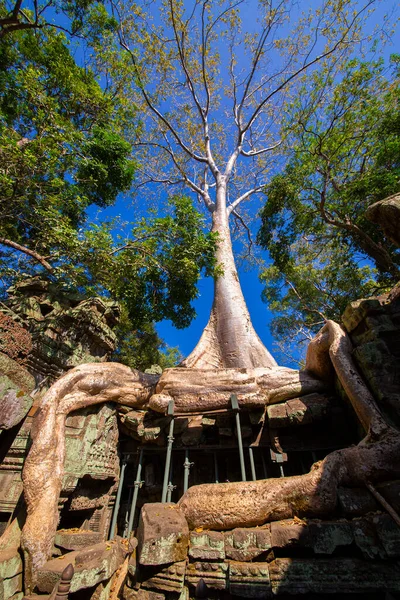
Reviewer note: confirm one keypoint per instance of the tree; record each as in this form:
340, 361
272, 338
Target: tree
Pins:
344, 149
212, 98
64, 147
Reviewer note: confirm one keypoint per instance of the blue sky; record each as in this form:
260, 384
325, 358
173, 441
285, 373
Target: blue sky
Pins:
186, 339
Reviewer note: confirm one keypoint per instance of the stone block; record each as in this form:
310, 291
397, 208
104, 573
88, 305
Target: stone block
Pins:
356, 311
12, 586
214, 574
388, 533
141, 594
92, 565
333, 576
355, 502
277, 415
366, 538
76, 540
14, 403
18, 375
10, 563
249, 580
245, 544
287, 533
163, 534
327, 536
207, 545
169, 579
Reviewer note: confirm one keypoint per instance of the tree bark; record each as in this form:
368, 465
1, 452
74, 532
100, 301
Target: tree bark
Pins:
229, 339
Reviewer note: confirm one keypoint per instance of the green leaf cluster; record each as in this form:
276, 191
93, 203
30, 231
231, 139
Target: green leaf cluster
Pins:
343, 150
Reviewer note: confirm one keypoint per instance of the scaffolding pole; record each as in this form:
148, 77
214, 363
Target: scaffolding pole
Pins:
170, 413
136, 485
252, 465
235, 407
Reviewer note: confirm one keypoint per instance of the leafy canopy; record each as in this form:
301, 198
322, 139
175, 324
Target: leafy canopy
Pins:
64, 148
344, 154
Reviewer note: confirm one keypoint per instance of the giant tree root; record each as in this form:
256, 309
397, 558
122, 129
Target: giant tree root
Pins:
222, 505
44, 467
247, 504
377, 457
201, 390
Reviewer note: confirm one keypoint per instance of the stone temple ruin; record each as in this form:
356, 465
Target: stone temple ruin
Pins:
196, 484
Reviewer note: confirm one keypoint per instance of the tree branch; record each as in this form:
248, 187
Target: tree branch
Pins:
40, 259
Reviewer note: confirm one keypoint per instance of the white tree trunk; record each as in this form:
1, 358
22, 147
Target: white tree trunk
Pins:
229, 339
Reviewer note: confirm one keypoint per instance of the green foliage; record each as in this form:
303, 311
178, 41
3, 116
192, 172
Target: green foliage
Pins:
64, 148
344, 154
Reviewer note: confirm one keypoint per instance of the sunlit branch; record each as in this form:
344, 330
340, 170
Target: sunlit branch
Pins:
261, 151
243, 197
303, 68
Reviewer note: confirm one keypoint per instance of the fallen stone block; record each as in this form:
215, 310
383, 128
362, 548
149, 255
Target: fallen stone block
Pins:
92, 565
76, 540
163, 534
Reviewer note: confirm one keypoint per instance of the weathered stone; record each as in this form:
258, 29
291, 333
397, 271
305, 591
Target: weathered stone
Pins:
356, 311
141, 594
18, 375
355, 502
249, 580
277, 415
386, 213
335, 576
326, 536
10, 574
168, 579
10, 563
289, 533
92, 565
366, 538
388, 533
14, 403
75, 540
214, 574
207, 545
246, 544
10, 587
163, 534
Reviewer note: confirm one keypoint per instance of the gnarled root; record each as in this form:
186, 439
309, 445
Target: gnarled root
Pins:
44, 467
228, 505
200, 390
247, 504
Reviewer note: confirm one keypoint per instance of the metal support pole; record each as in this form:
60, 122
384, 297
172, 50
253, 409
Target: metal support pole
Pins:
118, 498
170, 413
128, 511
186, 471
235, 406
170, 486
136, 485
252, 465
281, 470
216, 468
